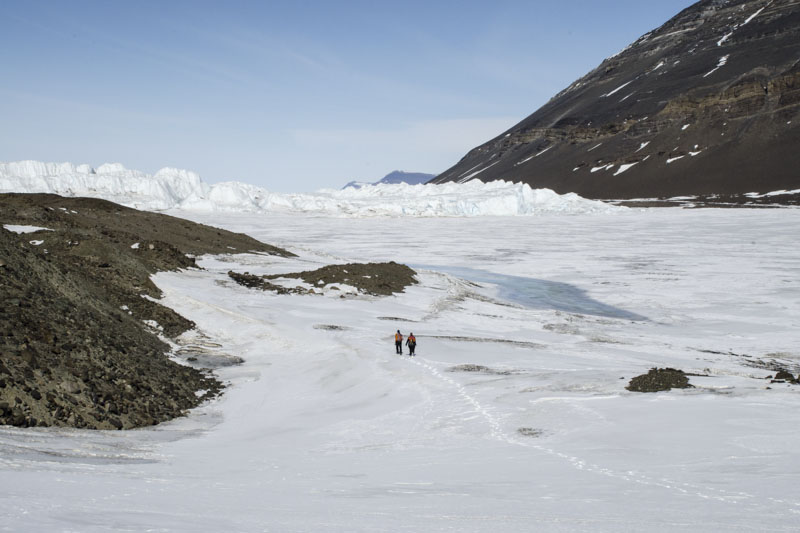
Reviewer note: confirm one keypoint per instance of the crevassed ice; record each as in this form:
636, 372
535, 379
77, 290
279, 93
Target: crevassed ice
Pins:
171, 188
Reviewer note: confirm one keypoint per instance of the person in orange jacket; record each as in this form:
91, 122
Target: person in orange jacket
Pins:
411, 342
398, 342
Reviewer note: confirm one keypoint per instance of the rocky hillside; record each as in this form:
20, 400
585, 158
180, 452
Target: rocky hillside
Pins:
79, 324
707, 104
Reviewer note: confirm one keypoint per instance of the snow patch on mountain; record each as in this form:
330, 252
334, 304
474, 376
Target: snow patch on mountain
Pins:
171, 188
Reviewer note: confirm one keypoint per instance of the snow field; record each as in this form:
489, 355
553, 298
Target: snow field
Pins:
325, 428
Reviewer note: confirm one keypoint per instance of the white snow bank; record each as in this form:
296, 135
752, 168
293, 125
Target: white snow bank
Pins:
772, 193
474, 198
24, 229
623, 168
171, 188
721, 63
617, 89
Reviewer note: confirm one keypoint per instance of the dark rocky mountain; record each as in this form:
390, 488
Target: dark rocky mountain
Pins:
397, 176
706, 105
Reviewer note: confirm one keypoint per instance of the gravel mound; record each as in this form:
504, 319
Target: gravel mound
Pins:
377, 279
659, 379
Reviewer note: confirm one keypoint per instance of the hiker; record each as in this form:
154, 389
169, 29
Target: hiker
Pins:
398, 342
411, 342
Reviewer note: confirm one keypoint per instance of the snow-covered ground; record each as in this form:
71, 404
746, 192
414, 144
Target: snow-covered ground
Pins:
324, 428
171, 188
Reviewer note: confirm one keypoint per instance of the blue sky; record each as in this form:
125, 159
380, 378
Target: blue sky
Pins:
295, 95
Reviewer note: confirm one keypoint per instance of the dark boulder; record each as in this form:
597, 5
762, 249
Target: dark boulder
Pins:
783, 376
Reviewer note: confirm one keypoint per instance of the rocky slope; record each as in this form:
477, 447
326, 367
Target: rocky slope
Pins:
707, 104
79, 324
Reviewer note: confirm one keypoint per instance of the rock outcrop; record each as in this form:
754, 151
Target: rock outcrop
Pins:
376, 279
80, 324
708, 104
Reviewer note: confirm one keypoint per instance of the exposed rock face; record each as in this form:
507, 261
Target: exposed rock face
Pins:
707, 104
75, 349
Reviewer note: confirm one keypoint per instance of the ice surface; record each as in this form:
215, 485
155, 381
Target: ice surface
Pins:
181, 189
324, 428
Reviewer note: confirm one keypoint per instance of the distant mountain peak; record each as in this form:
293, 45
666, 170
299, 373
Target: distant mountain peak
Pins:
394, 177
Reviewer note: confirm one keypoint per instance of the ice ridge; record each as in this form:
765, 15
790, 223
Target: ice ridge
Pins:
172, 188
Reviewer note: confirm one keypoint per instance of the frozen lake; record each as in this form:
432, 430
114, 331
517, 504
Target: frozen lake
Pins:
324, 428
537, 293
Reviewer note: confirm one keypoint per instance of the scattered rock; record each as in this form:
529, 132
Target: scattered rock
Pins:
478, 368
659, 379
469, 368
252, 281
783, 376
530, 432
